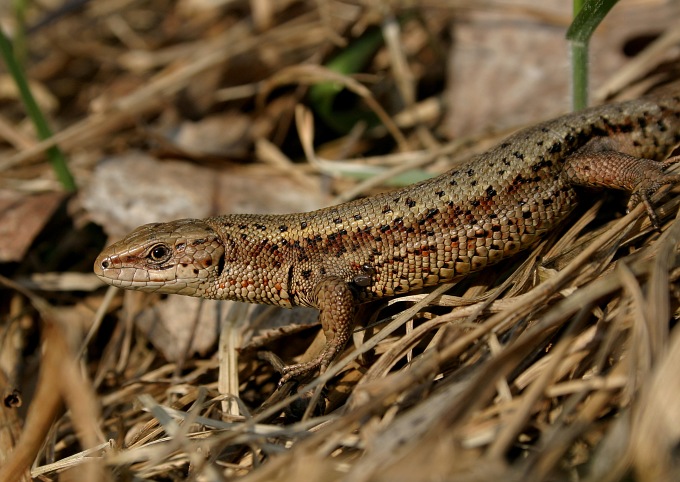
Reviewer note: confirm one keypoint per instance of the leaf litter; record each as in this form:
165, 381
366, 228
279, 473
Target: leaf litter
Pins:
558, 365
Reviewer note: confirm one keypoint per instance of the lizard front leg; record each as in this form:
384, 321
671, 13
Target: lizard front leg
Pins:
334, 298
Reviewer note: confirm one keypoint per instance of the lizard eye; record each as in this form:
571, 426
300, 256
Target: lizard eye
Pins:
158, 252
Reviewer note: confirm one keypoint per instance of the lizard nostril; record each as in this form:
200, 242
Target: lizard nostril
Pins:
105, 264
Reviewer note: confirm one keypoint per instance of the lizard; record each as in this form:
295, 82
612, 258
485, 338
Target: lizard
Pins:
489, 208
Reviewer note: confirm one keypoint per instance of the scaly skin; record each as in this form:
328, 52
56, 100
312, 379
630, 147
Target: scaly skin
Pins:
495, 205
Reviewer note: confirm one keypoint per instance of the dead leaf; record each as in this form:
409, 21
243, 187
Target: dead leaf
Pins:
135, 189
22, 217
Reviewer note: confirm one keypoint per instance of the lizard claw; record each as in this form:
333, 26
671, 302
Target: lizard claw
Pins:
649, 186
296, 371
670, 161
303, 370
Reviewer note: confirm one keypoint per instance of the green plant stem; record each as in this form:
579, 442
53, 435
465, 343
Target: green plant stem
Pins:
579, 67
587, 16
56, 157
579, 59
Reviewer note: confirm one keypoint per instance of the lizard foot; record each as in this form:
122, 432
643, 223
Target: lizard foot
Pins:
300, 371
649, 185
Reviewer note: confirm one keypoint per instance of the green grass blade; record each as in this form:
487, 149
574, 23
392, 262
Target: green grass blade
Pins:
349, 61
56, 157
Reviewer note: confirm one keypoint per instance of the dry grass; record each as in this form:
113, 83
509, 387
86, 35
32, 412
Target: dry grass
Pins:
559, 366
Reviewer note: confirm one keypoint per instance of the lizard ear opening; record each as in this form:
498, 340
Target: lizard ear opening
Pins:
220, 264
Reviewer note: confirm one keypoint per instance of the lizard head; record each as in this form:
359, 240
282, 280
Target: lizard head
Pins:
182, 257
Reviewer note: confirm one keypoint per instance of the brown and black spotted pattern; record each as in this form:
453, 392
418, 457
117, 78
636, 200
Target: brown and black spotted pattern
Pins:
493, 206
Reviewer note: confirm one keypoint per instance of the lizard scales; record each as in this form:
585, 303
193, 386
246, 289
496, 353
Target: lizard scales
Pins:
489, 208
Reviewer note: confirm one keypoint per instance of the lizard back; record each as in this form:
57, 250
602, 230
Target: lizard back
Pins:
472, 216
